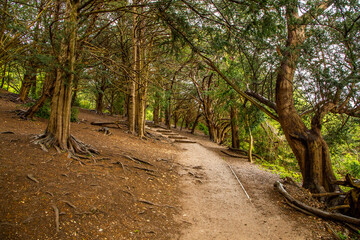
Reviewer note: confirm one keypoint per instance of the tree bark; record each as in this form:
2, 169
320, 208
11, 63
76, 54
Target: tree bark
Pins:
195, 123
132, 84
251, 146
48, 90
310, 149
28, 81
3, 76
235, 140
176, 119
57, 133
156, 112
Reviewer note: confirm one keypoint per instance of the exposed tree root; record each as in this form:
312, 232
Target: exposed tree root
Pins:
75, 147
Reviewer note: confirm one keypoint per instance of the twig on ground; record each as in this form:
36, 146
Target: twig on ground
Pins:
31, 177
57, 223
7, 132
144, 169
69, 203
331, 230
51, 194
137, 160
120, 163
154, 204
232, 155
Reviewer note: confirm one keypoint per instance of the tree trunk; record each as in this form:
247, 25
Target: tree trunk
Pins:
156, 112
48, 90
176, 119
58, 130
235, 141
99, 102
195, 123
310, 149
168, 114
251, 145
3, 76
75, 91
212, 130
33, 88
182, 123
132, 84
29, 78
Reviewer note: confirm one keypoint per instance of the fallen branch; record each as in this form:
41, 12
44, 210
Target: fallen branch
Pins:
327, 194
57, 223
183, 141
144, 169
231, 155
116, 123
317, 212
299, 209
339, 207
7, 132
245, 152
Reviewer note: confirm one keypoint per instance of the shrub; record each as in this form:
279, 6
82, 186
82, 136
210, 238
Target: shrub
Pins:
74, 114
203, 127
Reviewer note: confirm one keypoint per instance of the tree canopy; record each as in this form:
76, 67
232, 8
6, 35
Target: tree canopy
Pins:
237, 69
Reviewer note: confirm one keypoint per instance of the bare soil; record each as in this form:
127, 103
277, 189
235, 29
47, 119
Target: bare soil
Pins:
108, 197
187, 190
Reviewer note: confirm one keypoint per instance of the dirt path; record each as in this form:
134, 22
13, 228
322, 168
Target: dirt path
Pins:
215, 207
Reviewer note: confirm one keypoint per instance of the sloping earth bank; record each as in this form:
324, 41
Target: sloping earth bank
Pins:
106, 197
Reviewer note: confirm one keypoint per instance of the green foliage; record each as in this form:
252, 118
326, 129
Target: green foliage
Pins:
342, 236
203, 127
346, 164
283, 171
44, 111
74, 114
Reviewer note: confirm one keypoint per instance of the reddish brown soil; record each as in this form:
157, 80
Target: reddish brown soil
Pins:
108, 201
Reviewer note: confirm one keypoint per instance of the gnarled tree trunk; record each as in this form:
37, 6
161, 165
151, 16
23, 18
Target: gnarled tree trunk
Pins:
309, 147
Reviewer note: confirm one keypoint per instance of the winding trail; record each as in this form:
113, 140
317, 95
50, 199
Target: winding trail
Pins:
215, 206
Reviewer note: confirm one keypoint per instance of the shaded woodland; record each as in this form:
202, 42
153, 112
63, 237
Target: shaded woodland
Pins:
276, 80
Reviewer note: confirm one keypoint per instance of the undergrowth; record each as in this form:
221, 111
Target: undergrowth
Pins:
283, 170
44, 111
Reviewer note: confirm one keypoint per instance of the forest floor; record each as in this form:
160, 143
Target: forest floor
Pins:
136, 189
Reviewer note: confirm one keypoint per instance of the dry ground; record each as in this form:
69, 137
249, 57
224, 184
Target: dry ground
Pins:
108, 197
178, 196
